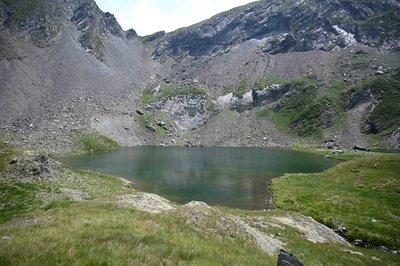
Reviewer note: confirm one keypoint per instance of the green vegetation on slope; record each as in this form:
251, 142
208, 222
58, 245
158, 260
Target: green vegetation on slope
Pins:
309, 106
94, 142
385, 117
386, 24
167, 91
299, 111
361, 195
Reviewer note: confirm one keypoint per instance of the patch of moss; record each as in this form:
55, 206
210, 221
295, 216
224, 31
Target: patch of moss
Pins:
94, 142
241, 89
360, 61
18, 199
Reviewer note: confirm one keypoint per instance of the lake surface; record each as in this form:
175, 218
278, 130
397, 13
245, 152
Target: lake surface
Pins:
226, 176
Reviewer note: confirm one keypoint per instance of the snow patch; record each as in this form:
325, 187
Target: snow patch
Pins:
348, 37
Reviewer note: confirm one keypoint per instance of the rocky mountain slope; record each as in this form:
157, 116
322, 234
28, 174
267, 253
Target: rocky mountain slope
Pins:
271, 73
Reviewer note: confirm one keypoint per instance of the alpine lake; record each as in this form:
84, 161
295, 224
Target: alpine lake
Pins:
235, 177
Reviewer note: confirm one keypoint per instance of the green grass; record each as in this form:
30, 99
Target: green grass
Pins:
94, 142
241, 89
102, 234
363, 195
18, 199
360, 61
347, 154
6, 154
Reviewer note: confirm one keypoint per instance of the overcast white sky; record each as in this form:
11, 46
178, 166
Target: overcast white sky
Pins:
149, 16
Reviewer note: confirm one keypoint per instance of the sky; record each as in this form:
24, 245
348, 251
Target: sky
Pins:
149, 16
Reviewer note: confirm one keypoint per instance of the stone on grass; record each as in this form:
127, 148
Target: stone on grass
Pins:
287, 259
14, 160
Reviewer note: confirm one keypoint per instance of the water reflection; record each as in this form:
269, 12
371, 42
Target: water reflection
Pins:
234, 177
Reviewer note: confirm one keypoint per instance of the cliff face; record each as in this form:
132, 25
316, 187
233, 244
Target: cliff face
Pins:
288, 25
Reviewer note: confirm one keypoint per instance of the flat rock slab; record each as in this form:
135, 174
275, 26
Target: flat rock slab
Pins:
312, 230
145, 202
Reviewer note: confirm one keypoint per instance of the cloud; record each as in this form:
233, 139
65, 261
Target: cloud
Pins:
149, 16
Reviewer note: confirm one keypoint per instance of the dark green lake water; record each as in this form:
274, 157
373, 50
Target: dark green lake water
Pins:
233, 177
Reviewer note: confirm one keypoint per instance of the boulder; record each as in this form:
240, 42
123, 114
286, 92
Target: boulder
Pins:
358, 148
268, 94
287, 259
161, 123
358, 98
139, 112
14, 160
151, 128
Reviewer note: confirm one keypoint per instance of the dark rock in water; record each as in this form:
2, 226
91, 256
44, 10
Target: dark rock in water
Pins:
139, 112
287, 259
14, 160
151, 128
161, 123
357, 148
